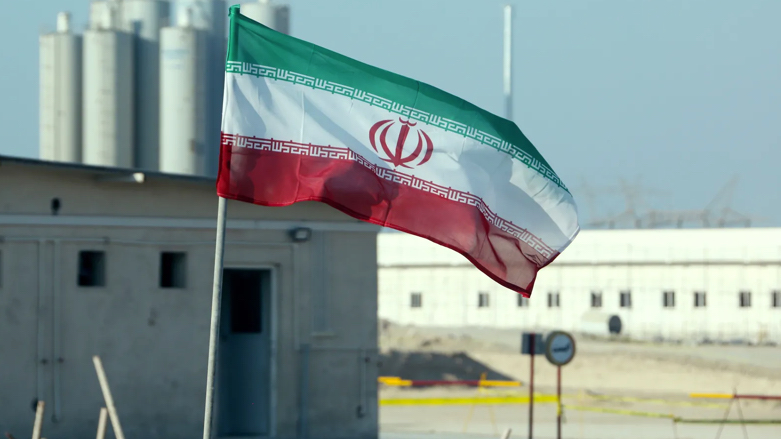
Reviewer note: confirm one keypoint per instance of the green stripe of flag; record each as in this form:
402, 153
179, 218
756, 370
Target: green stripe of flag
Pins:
258, 50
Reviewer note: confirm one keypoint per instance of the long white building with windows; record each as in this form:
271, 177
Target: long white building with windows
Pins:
672, 284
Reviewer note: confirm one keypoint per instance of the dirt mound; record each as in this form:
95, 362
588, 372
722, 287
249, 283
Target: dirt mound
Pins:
435, 366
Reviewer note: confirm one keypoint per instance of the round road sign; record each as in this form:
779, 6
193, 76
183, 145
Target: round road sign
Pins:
559, 348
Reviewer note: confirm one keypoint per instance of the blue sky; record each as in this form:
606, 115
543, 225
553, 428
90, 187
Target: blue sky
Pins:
682, 95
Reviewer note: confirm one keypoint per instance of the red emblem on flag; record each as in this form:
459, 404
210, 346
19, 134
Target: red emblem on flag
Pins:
397, 157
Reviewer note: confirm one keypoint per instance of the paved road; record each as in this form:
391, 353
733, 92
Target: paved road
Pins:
448, 422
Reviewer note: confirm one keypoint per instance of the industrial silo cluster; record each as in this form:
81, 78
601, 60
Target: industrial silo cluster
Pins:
142, 87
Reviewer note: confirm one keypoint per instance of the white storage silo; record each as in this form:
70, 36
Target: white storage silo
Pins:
60, 93
183, 132
108, 99
211, 16
102, 14
283, 19
143, 19
261, 11
265, 12
206, 15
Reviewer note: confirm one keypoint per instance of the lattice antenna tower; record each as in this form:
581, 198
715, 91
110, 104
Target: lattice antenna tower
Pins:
634, 203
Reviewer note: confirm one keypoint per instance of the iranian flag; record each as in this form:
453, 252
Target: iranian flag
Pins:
303, 123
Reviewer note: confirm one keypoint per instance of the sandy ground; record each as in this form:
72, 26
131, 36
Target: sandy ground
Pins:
641, 377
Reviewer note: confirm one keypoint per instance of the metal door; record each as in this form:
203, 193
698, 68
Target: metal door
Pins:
245, 353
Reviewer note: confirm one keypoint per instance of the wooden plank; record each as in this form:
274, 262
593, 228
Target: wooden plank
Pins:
102, 423
112, 410
38, 420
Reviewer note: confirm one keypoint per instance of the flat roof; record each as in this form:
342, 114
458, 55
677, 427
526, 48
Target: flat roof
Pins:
753, 245
104, 170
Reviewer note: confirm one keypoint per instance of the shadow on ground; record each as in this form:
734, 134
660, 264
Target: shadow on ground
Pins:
435, 366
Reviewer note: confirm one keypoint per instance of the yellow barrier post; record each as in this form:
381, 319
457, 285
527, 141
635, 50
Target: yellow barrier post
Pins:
558, 402
580, 414
490, 407
491, 415
468, 418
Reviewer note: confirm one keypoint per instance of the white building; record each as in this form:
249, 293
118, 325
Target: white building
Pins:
677, 284
118, 263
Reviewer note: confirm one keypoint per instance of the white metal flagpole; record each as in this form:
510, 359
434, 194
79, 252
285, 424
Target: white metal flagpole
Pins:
214, 333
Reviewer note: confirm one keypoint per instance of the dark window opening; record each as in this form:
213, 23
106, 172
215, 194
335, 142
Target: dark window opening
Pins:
668, 299
522, 301
245, 304
596, 299
92, 269
776, 294
553, 300
700, 299
745, 299
626, 299
482, 300
416, 300
173, 269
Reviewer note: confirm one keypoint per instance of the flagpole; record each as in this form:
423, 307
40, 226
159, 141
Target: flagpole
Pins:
214, 332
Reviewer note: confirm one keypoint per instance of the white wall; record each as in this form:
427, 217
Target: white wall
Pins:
720, 262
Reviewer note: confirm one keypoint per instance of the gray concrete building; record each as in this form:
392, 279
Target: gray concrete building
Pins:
119, 264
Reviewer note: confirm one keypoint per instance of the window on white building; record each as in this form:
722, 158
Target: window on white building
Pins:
173, 269
522, 302
596, 299
699, 299
744, 299
482, 300
92, 269
668, 299
553, 299
775, 298
626, 299
416, 300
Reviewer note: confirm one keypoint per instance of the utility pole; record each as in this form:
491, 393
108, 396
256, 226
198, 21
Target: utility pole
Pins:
508, 62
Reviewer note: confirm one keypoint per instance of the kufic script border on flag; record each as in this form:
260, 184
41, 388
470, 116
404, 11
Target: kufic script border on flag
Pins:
449, 125
341, 153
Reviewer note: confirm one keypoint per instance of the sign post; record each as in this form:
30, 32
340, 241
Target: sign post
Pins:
531, 386
559, 350
558, 402
532, 344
